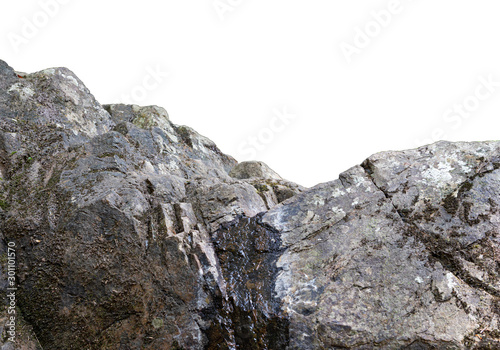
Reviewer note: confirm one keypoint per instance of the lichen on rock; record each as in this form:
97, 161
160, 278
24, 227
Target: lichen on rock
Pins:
132, 232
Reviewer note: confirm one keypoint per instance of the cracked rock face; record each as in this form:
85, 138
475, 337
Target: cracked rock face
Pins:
402, 251
132, 232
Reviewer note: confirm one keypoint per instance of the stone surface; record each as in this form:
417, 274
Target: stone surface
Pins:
112, 209
254, 169
402, 251
132, 232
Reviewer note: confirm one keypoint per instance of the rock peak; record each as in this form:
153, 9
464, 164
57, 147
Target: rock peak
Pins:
254, 169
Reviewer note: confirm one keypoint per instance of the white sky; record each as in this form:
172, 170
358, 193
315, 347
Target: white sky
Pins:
420, 75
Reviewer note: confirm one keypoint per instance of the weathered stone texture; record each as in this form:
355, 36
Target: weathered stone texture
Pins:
132, 232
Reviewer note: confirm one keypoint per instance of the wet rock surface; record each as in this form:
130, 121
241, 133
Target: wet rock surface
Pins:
132, 232
251, 316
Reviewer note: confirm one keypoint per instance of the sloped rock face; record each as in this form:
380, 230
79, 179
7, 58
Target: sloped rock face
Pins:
132, 232
112, 209
400, 252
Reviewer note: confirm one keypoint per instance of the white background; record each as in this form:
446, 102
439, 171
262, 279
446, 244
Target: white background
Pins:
234, 64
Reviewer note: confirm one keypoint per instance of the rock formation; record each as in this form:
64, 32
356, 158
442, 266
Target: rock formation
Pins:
131, 232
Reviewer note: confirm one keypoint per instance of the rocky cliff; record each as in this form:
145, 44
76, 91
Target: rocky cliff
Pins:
131, 232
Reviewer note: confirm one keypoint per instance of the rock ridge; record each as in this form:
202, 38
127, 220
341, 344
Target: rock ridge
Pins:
132, 232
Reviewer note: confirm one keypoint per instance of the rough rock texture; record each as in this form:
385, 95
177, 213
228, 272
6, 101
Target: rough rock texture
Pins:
132, 232
259, 170
400, 252
112, 209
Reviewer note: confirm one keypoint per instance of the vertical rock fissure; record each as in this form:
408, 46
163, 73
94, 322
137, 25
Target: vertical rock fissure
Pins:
369, 173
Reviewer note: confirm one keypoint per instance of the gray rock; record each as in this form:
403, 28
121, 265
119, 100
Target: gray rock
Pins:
253, 169
133, 232
400, 251
270, 186
112, 210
